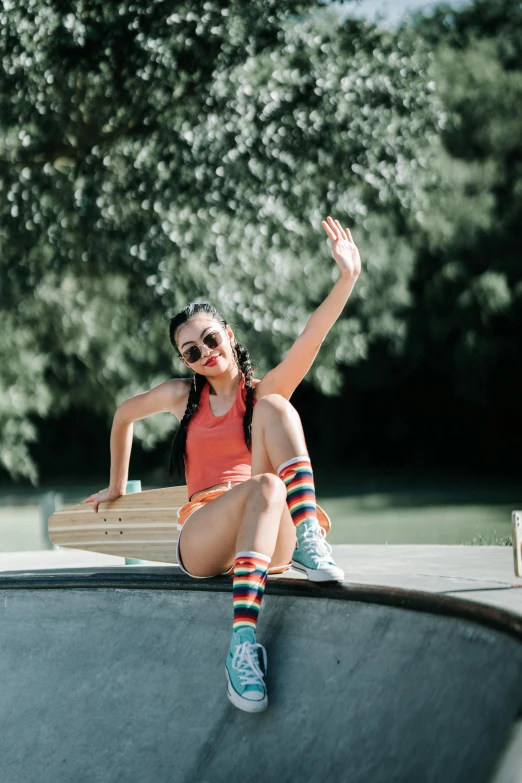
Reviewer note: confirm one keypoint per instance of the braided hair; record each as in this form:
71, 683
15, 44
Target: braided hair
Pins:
177, 454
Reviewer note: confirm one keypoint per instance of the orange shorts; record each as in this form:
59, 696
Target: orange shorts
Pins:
187, 509
184, 513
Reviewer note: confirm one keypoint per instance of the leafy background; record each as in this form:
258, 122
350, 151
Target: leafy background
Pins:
156, 153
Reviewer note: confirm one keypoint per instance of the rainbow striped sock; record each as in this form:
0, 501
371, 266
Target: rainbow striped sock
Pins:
248, 586
298, 477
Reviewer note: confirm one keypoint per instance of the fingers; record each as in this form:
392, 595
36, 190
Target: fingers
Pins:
335, 231
92, 499
331, 235
335, 228
341, 230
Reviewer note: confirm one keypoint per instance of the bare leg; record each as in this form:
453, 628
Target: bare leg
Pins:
277, 436
277, 433
259, 526
208, 542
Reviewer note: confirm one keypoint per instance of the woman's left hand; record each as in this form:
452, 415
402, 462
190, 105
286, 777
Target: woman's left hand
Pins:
344, 250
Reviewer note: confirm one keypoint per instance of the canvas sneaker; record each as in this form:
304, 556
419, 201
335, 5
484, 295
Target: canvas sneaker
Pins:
245, 669
313, 556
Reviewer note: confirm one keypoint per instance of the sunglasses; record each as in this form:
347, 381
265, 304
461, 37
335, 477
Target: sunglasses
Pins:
211, 340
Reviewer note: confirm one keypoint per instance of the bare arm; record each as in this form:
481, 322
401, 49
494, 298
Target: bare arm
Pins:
168, 397
121, 446
285, 378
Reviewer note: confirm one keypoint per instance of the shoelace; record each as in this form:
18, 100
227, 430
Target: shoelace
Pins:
247, 664
315, 546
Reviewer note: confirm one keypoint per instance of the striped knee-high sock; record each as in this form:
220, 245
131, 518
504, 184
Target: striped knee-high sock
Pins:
298, 477
248, 586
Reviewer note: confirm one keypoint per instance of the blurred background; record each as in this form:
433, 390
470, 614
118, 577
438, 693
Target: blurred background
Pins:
153, 153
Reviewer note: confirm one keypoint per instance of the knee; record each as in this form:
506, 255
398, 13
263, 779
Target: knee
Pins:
271, 486
274, 405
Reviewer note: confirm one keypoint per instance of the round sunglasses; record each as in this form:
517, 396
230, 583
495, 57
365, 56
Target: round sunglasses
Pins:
211, 340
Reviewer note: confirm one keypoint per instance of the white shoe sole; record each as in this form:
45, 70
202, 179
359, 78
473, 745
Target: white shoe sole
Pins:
318, 575
244, 704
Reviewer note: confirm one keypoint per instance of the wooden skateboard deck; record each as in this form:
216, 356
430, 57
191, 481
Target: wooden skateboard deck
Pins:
140, 525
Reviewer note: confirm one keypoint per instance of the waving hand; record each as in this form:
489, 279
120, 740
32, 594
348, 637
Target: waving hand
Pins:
344, 249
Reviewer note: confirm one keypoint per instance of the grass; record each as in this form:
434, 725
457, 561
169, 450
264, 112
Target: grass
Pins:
377, 519
494, 540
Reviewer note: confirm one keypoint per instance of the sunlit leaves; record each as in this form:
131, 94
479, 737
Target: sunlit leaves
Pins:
153, 155
469, 270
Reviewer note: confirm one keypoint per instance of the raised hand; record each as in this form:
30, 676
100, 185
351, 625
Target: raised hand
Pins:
344, 250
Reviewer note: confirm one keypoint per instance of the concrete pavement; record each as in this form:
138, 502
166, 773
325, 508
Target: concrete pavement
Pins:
410, 671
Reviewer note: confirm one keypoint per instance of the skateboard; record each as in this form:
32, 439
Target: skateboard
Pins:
138, 525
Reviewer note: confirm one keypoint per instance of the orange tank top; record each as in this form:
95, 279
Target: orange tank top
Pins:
215, 450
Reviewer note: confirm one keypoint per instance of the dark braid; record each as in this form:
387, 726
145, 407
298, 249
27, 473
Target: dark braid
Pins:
177, 454
245, 365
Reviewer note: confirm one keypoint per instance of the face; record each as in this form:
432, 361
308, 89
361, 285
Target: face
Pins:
194, 332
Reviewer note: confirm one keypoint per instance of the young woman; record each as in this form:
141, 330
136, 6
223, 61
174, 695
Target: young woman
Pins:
241, 445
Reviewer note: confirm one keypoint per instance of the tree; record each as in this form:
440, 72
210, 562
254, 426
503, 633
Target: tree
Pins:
468, 282
152, 154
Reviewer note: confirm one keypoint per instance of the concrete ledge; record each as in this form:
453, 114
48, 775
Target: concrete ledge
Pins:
171, 578
482, 574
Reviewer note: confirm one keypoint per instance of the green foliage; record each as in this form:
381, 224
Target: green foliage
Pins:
468, 278
152, 153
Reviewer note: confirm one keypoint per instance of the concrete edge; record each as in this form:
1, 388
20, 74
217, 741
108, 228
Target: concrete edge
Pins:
171, 578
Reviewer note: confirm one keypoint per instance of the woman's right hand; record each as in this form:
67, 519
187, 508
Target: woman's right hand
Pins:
102, 497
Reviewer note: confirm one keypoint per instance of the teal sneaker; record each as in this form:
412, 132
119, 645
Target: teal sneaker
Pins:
313, 556
245, 668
